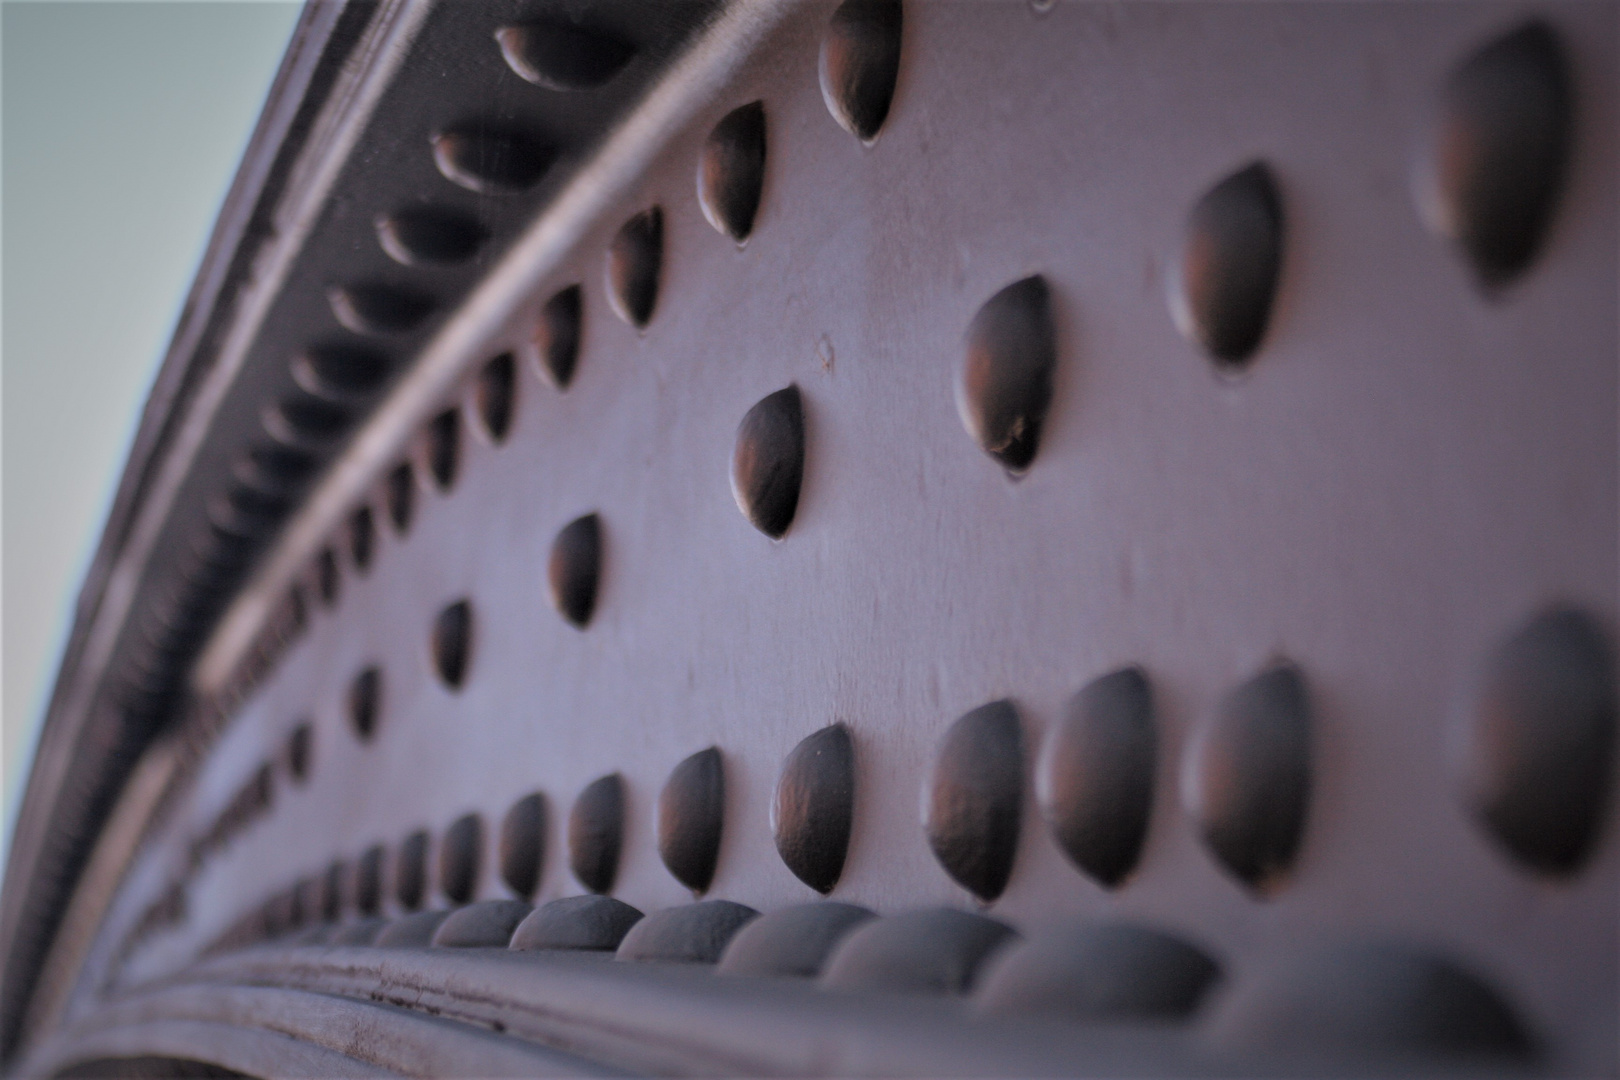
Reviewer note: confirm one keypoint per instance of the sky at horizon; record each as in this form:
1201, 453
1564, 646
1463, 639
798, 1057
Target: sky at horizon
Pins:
121, 125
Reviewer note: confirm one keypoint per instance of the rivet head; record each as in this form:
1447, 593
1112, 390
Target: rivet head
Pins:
439, 448
410, 871
496, 396
414, 931
1247, 776
328, 576
460, 856
590, 923
375, 308
815, 807
687, 934
523, 845
332, 886
1500, 151
430, 236
1094, 781
934, 951
452, 643
1222, 286
300, 749
1005, 386
860, 61
731, 171
1368, 1001
561, 56
366, 881
557, 336
365, 702
1098, 972
596, 833
306, 423
1541, 743
400, 495
767, 465
491, 160
691, 814
362, 538
793, 942
274, 470
574, 570
341, 373
634, 261
487, 924
974, 796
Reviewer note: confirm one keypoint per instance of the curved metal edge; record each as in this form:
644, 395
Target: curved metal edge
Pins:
70, 791
256, 1053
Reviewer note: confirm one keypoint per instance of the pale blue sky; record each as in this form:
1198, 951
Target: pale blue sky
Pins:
121, 124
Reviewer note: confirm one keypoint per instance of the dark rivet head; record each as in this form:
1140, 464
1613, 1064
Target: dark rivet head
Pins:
793, 942
430, 236
1541, 744
440, 448
410, 871
815, 806
523, 845
1222, 286
1006, 381
575, 569
306, 423
401, 497
1500, 151
484, 925
860, 61
561, 56
593, 923
452, 643
1095, 777
634, 260
596, 833
1362, 1002
491, 160
300, 750
362, 537
767, 465
688, 934
362, 932
328, 576
691, 813
332, 886
1247, 781
495, 396
974, 796
367, 880
373, 308
936, 951
460, 856
274, 470
1091, 973
245, 513
731, 171
557, 334
413, 931
340, 373
365, 702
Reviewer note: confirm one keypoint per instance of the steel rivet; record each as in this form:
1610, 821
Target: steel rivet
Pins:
496, 396
523, 844
1094, 781
492, 160
401, 496
634, 260
561, 56
410, 871
593, 923
484, 925
731, 171
1500, 151
430, 235
452, 643
362, 538
688, 934
1541, 745
274, 470
596, 832
441, 448
1222, 286
860, 61
365, 702
368, 880
413, 931
935, 951
299, 746
793, 942
328, 579
1247, 776
1005, 386
557, 335
460, 856
306, 423
974, 796
332, 885
340, 373
767, 464
1090, 973
691, 814
815, 806
574, 570
375, 308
